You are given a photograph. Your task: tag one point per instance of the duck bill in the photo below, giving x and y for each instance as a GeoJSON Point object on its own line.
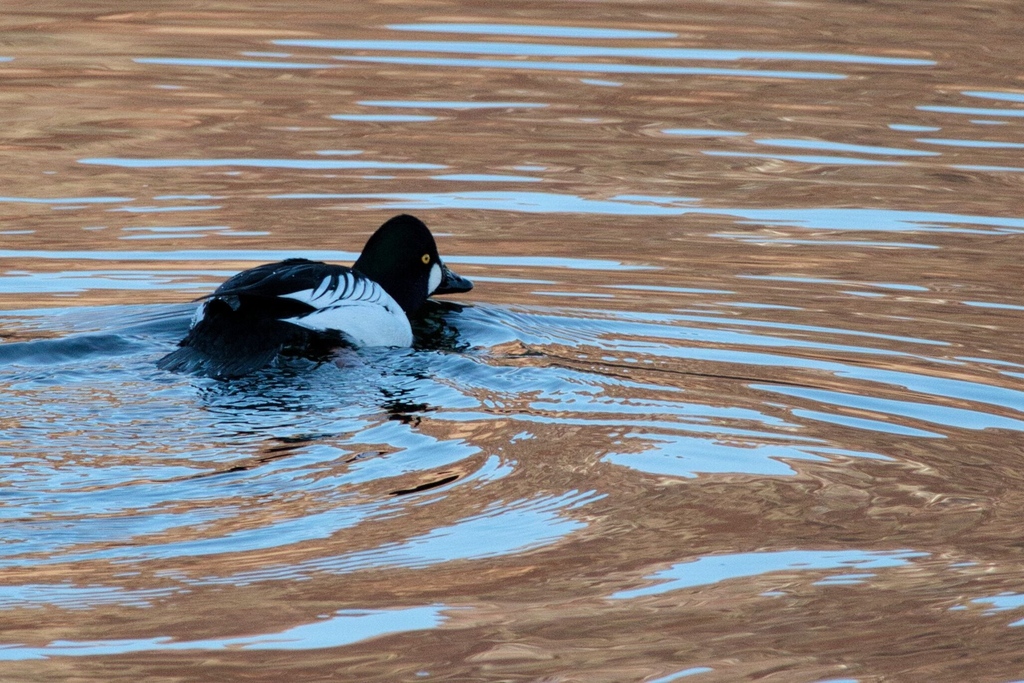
{"type": "Point", "coordinates": [452, 282]}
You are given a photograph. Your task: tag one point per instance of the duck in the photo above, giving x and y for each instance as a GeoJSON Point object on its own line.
{"type": "Point", "coordinates": [298, 305]}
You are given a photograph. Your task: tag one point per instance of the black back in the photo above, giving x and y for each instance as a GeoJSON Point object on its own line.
{"type": "Point", "coordinates": [274, 280]}
{"type": "Point", "coordinates": [231, 342]}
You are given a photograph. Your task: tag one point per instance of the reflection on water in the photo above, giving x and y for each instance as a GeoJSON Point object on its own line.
{"type": "Point", "coordinates": [585, 32]}
{"type": "Point", "coordinates": [713, 569]}
{"type": "Point", "coordinates": [546, 50]}
{"type": "Point", "coordinates": [344, 628]}
{"type": "Point", "coordinates": [318, 164]}
{"type": "Point", "coordinates": [230, 63]}
{"type": "Point", "coordinates": [739, 394]}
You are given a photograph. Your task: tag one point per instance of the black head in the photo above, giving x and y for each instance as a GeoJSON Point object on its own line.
{"type": "Point", "coordinates": [402, 258]}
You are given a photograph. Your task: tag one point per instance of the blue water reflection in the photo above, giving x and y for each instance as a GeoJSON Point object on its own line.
{"type": "Point", "coordinates": [314, 164]}
{"type": "Point", "coordinates": [987, 94]}
{"type": "Point", "coordinates": [820, 218]}
{"type": "Point", "coordinates": [229, 63]}
{"type": "Point", "coordinates": [535, 30]}
{"type": "Point", "coordinates": [972, 111]}
{"type": "Point", "coordinates": [702, 132]}
{"type": "Point", "coordinates": [845, 147]}
{"type": "Point", "coordinates": [994, 169]}
{"type": "Point", "coordinates": [343, 628]}
{"type": "Point", "coordinates": [687, 456]}
{"type": "Point", "coordinates": [165, 209]}
{"type": "Point", "coordinates": [522, 202]}
{"type": "Point", "coordinates": [913, 128]}
{"type": "Point", "coordinates": [441, 104]}
{"type": "Point", "coordinates": [595, 67]}
{"type": "Point", "coordinates": [548, 50]}
{"type": "Point", "coordinates": [1002, 603]}
{"type": "Point", "coordinates": [960, 418]}
{"type": "Point", "coordinates": [807, 158]}
{"type": "Point", "coordinates": [864, 423]}
{"type": "Point", "coordinates": [501, 529]}
{"type": "Point", "coordinates": [159, 232]}
{"type": "Point", "coordinates": [979, 144]}
{"type": "Point", "coordinates": [706, 571]}
{"type": "Point", "coordinates": [692, 671]}
{"type": "Point", "coordinates": [73, 597]}
{"type": "Point", "coordinates": [67, 282]}
{"type": "Point", "coordinates": [487, 178]}
{"type": "Point", "coordinates": [66, 200]}
{"type": "Point", "coordinates": [263, 256]}
{"type": "Point", "coordinates": [383, 118]}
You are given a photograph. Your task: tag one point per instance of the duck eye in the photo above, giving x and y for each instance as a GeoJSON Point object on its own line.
{"type": "Point", "coordinates": [425, 258]}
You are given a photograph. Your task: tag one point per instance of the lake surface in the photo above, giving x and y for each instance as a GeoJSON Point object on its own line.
{"type": "Point", "coordinates": [739, 394]}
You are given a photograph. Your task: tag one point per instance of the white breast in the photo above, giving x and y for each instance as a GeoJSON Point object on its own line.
{"type": "Point", "coordinates": [357, 307]}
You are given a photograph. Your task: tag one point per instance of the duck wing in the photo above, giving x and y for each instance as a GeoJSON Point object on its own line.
{"type": "Point", "coordinates": [294, 305]}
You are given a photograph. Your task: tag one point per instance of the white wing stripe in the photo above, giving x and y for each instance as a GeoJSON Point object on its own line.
{"type": "Point", "coordinates": [363, 312]}
{"type": "Point", "coordinates": [334, 290]}
{"type": "Point", "coordinates": [322, 288]}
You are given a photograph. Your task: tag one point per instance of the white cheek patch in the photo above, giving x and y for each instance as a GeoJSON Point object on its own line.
{"type": "Point", "coordinates": [435, 279]}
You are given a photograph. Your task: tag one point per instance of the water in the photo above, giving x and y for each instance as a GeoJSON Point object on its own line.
{"type": "Point", "coordinates": [738, 395]}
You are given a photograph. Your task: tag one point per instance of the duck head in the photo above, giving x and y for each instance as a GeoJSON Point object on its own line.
{"type": "Point", "coordinates": [402, 258]}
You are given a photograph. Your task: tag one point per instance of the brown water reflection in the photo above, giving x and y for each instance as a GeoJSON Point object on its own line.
{"type": "Point", "coordinates": [738, 394]}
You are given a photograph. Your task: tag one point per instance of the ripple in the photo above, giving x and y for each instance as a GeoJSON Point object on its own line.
{"type": "Point", "coordinates": [987, 94]}
{"type": "Point", "coordinates": [542, 50]}
{"type": "Point", "coordinates": [70, 596]}
{"type": "Point", "coordinates": [702, 132]}
{"type": "Point", "coordinates": [344, 627]}
{"type": "Point", "coordinates": [165, 209]}
{"type": "Point", "coordinates": [972, 111]}
{"type": "Point", "coordinates": [314, 164]}
{"type": "Point", "coordinates": [683, 456]}
{"type": "Point", "coordinates": [945, 416]}
{"type": "Point", "coordinates": [433, 104]}
{"type": "Point", "coordinates": [520, 202]}
{"type": "Point", "coordinates": [67, 282]}
{"type": "Point", "coordinates": [535, 30]}
{"type": "Point", "coordinates": [502, 529]}
{"type": "Point", "coordinates": [815, 218]}
{"type": "Point", "coordinates": [806, 159]}
{"type": "Point", "coordinates": [1002, 603]}
{"type": "Point", "coordinates": [845, 147]}
{"type": "Point", "coordinates": [692, 671]}
{"type": "Point", "coordinates": [383, 118]}
{"type": "Point", "coordinates": [67, 200]}
{"type": "Point", "coordinates": [595, 67]}
{"type": "Point", "coordinates": [229, 63]}
{"type": "Point", "coordinates": [980, 144]}
{"type": "Point", "coordinates": [487, 178]}
{"type": "Point", "coordinates": [912, 128]}
{"type": "Point", "coordinates": [264, 256]}
{"type": "Point", "coordinates": [717, 568]}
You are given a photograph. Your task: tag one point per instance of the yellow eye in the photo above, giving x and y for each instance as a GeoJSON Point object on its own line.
{"type": "Point", "coordinates": [425, 258]}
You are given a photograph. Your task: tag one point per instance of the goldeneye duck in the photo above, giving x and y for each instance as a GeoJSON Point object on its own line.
{"type": "Point", "coordinates": [299, 304]}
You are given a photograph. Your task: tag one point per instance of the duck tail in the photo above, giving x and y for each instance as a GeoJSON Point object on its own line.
{"type": "Point", "coordinates": [226, 343]}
